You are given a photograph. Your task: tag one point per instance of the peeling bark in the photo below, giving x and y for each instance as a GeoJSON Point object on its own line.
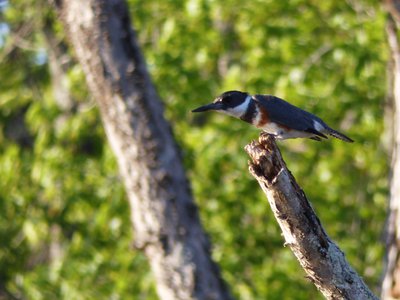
{"type": "Point", "coordinates": [322, 260]}
{"type": "Point", "coordinates": [164, 216]}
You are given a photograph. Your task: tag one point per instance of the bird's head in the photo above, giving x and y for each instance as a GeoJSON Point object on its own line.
{"type": "Point", "coordinates": [233, 103]}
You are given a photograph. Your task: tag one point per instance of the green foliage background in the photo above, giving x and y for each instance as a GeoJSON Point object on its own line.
{"type": "Point", "coordinates": [64, 219]}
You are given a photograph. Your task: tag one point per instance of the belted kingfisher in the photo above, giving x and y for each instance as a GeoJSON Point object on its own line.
{"type": "Point", "coordinates": [273, 115]}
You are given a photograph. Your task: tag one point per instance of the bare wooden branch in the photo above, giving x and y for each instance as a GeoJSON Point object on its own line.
{"type": "Point", "coordinates": [393, 7]}
{"type": "Point", "coordinates": [391, 279]}
{"type": "Point", "coordinates": [322, 260]}
{"type": "Point", "coordinates": [164, 216]}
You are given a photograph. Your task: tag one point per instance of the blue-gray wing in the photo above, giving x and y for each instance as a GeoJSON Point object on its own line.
{"type": "Point", "coordinates": [283, 113]}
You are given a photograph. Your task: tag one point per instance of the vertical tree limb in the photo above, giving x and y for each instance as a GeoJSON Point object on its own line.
{"type": "Point", "coordinates": [323, 261]}
{"type": "Point", "coordinates": [164, 216]}
{"type": "Point", "coordinates": [391, 280]}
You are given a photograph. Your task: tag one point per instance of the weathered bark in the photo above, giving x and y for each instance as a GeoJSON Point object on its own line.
{"type": "Point", "coordinates": [323, 261]}
{"type": "Point", "coordinates": [391, 279]}
{"type": "Point", "coordinates": [164, 216]}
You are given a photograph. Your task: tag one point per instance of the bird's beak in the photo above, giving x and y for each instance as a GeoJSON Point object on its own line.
{"type": "Point", "coordinates": [211, 106]}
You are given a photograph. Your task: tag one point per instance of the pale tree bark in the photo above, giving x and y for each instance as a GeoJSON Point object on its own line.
{"type": "Point", "coordinates": [391, 279]}
{"type": "Point", "coordinates": [58, 61]}
{"type": "Point", "coordinates": [164, 217]}
{"type": "Point", "coordinates": [322, 260]}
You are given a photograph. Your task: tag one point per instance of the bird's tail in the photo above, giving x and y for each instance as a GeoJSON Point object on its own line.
{"type": "Point", "coordinates": [338, 135]}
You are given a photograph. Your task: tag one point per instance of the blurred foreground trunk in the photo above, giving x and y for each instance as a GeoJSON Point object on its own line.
{"type": "Point", "coordinates": [391, 280]}
{"type": "Point", "coordinates": [322, 260]}
{"type": "Point", "coordinates": [165, 219]}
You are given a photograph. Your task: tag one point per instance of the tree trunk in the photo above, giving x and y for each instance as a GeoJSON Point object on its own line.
{"type": "Point", "coordinates": [323, 261]}
{"type": "Point", "coordinates": [391, 280]}
{"type": "Point", "coordinates": [164, 216]}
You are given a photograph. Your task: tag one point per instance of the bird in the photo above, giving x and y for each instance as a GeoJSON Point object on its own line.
{"type": "Point", "coordinates": [273, 116]}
